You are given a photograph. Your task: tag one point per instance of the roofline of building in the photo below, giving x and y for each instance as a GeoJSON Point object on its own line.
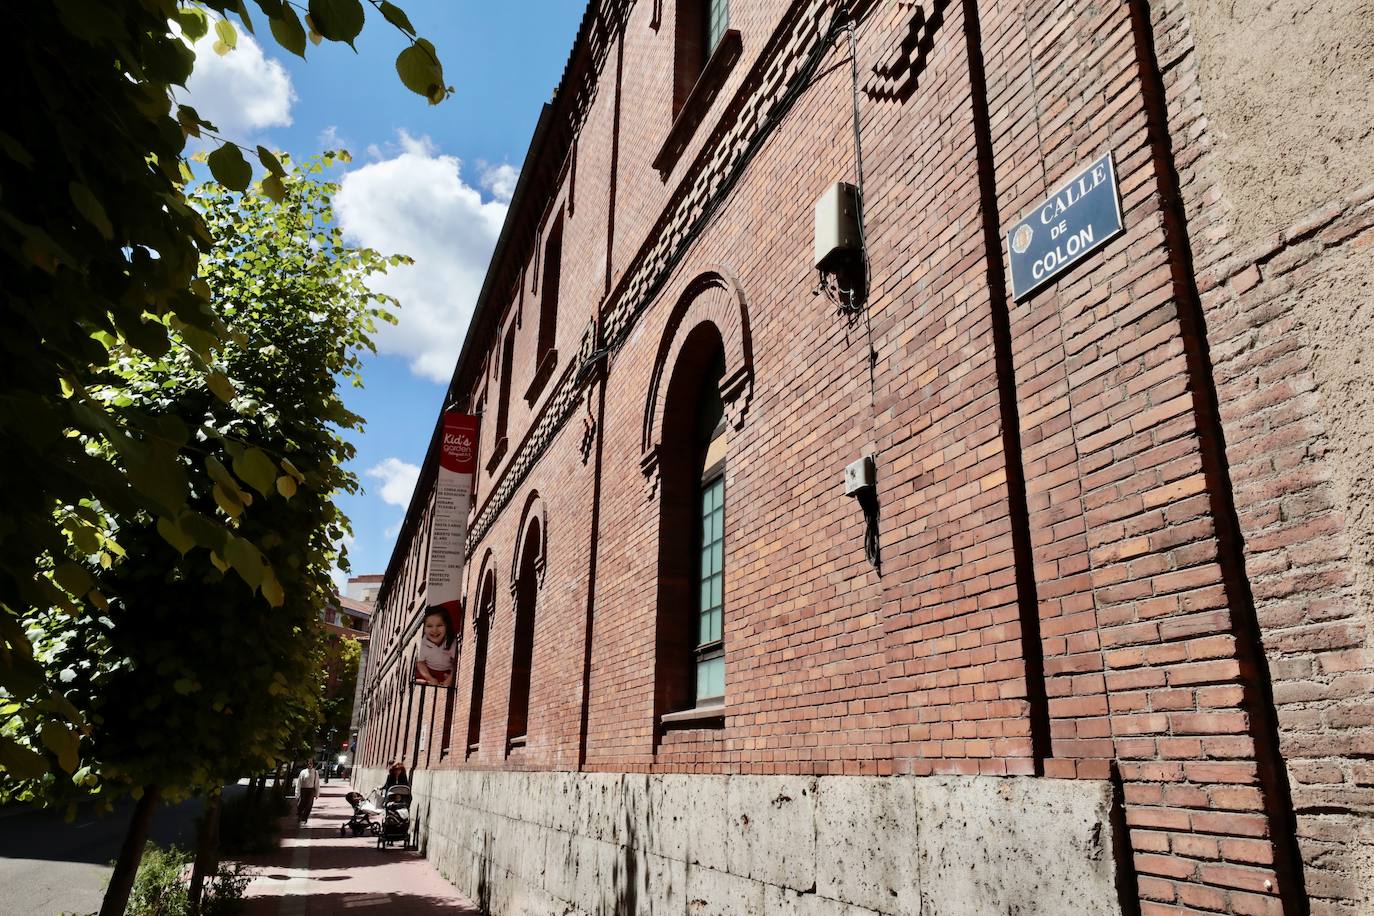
{"type": "Point", "coordinates": [545, 144]}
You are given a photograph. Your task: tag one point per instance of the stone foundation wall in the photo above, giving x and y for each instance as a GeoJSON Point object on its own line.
{"type": "Point", "coordinates": [535, 844]}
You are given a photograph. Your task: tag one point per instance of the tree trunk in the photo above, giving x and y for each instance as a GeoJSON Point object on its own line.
{"type": "Point", "coordinates": [130, 854]}
{"type": "Point", "coordinates": [207, 851]}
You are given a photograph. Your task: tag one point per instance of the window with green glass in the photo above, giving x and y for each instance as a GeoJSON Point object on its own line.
{"type": "Point", "coordinates": [710, 651]}
{"type": "Point", "coordinates": [717, 21]}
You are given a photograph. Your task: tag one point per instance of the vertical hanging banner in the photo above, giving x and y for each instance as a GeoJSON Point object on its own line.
{"type": "Point", "coordinates": [436, 660]}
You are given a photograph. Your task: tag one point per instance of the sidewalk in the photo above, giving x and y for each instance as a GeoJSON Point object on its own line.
{"type": "Point", "coordinates": [316, 872]}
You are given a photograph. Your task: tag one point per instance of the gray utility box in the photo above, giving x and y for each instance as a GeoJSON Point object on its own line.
{"type": "Point", "coordinates": [837, 224]}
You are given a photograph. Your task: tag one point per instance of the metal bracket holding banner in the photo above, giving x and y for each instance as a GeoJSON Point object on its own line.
{"type": "Point", "coordinates": [1081, 216]}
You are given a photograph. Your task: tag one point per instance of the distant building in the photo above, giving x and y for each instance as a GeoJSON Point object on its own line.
{"type": "Point", "coordinates": [349, 615]}
{"type": "Point", "coordinates": [364, 588]}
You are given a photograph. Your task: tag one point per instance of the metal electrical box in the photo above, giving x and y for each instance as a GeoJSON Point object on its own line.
{"type": "Point", "coordinates": [837, 224]}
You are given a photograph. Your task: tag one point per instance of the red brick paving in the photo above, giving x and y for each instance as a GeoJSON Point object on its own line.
{"type": "Point", "coordinates": [315, 871]}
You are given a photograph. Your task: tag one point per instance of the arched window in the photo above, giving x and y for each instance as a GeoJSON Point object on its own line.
{"type": "Point", "coordinates": [450, 697]}
{"type": "Point", "coordinates": [481, 624]}
{"type": "Point", "coordinates": [548, 294]}
{"type": "Point", "coordinates": [522, 652]}
{"type": "Point", "coordinates": [690, 644]}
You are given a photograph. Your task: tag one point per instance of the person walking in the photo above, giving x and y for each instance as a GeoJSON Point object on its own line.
{"type": "Point", "coordinates": [396, 776]}
{"type": "Point", "coordinates": [307, 786]}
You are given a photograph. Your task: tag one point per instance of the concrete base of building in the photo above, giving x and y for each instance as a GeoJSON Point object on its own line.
{"type": "Point", "coordinates": [534, 844]}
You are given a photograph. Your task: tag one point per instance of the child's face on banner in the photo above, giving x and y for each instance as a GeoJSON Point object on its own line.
{"type": "Point", "coordinates": [434, 629]}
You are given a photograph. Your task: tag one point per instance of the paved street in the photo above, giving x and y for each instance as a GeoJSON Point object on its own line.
{"type": "Point", "coordinates": [48, 866]}
{"type": "Point", "coordinates": [316, 872]}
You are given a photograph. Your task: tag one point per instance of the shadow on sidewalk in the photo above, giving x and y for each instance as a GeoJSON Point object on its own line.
{"type": "Point", "coordinates": [330, 903]}
{"type": "Point", "coordinates": [316, 872]}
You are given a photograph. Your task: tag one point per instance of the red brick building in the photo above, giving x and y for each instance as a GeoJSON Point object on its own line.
{"type": "Point", "coordinates": [1114, 655]}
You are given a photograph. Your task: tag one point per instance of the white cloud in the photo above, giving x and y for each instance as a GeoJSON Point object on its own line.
{"type": "Point", "coordinates": [398, 480]}
{"type": "Point", "coordinates": [417, 203]}
{"type": "Point", "coordinates": [242, 92]}
{"type": "Point", "coordinates": [329, 138]}
{"type": "Point", "coordinates": [395, 529]}
{"type": "Point", "coordinates": [500, 180]}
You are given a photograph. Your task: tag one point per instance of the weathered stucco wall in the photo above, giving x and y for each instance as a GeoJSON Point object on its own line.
{"type": "Point", "coordinates": [1331, 300]}
{"type": "Point", "coordinates": [1271, 121]}
{"type": "Point", "coordinates": [534, 844]}
{"type": "Point", "coordinates": [1288, 88]}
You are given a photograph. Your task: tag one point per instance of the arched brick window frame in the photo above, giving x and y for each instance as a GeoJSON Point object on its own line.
{"type": "Point", "coordinates": [526, 582]}
{"type": "Point", "coordinates": [534, 514]}
{"type": "Point", "coordinates": [712, 297]}
{"type": "Point", "coordinates": [483, 610]}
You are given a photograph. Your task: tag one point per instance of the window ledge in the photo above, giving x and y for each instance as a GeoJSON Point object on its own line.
{"type": "Point", "coordinates": [695, 714]}
{"type": "Point", "coordinates": [498, 451]}
{"type": "Point", "coordinates": [472, 749]}
{"type": "Point", "coordinates": [542, 373]}
{"type": "Point", "coordinates": [516, 743]}
{"type": "Point", "coordinates": [698, 101]}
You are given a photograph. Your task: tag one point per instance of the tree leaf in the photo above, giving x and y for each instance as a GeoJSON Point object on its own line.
{"type": "Point", "coordinates": [271, 588]}
{"type": "Point", "coordinates": [20, 762]}
{"type": "Point", "coordinates": [419, 69]}
{"type": "Point", "coordinates": [246, 561]}
{"type": "Point", "coordinates": [89, 207]}
{"type": "Point", "coordinates": [73, 578]}
{"type": "Point", "coordinates": [161, 478]}
{"type": "Point", "coordinates": [189, 119]}
{"type": "Point", "coordinates": [62, 741]}
{"type": "Point", "coordinates": [397, 17]}
{"type": "Point", "coordinates": [273, 187]}
{"type": "Point", "coordinates": [206, 533]}
{"type": "Point", "coordinates": [288, 31]}
{"type": "Point", "coordinates": [337, 20]}
{"type": "Point", "coordinates": [270, 162]}
{"type": "Point", "coordinates": [219, 473]}
{"type": "Point", "coordinates": [242, 9]}
{"type": "Point", "coordinates": [227, 501]}
{"type": "Point", "coordinates": [171, 533]}
{"type": "Point", "coordinates": [229, 167]}
{"type": "Point", "coordinates": [292, 470]}
{"type": "Point", "coordinates": [221, 386]}
{"type": "Point", "coordinates": [226, 33]}
{"type": "Point", "coordinates": [254, 467]}
{"type": "Point", "coordinates": [193, 21]}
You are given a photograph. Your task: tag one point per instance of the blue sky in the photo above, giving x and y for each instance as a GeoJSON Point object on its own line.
{"type": "Point", "coordinates": [429, 181]}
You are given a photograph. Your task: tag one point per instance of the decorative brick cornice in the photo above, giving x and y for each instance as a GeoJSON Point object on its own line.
{"type": "Point", "coordinates": [780, 74]}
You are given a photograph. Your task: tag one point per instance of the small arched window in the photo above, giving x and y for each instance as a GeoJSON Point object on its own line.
{"type": "Point", "coordinates": [690, 644]}
{"type": "Point", "coordinates": [481, 624]}
{"type": "Point", "coordinates": [522, 650]}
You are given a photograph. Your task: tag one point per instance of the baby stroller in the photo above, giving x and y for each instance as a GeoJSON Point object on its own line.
{"type": "Point", "coordinates": [361, 821]}
{"type": "Point", "coordinates": [395, 826]}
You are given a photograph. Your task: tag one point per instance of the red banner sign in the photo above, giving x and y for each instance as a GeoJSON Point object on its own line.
{"type": "Point", "coordinates": [436, 658]}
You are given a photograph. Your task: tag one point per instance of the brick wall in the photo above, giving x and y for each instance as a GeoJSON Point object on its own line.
{"type": "Point", "coordinates": [1111, 550]}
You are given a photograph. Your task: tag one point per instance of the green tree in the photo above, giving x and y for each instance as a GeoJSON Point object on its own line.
{"type": "Point", "coordinates": [187, 677]}
{"type": "Point", "coordinates": [340, 681]}
{"type": "Point", "coordinates": [100, 248]}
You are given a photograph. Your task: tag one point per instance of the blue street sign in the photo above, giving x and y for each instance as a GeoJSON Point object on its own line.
{"type": "Point", "coordinates": [1076, 220]}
